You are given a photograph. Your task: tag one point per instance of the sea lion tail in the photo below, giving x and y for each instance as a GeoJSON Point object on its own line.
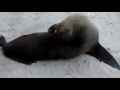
{"type": "Point", "coordinates": [102, 54]}
{"type": "Point", "coordinates": [2, 40]}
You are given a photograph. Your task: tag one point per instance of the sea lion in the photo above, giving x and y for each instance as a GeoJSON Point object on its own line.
{"type": "Point", "coordinates": [81, 30]}
{"type": "Point", "coordinates": [29, 48]}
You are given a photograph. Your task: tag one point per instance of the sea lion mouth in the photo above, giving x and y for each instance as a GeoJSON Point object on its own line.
{"type": "Point", "coordinates": [55, 31]}
{"type": "Point", "coordinates": [52, 31]}
{"type": "Point", "coordinates": [54, 28]}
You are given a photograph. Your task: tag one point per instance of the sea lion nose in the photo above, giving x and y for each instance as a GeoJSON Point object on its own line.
{"type": "Point", "coordinates": [53, 28]}
{"type": "Point", "coordinates": [50, 31]}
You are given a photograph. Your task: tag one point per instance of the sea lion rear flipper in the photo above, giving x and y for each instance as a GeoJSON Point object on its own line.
{"type": "Point", "coordinates": [2, 40]}
{"type": "Point", "coordinates": [102, 54]}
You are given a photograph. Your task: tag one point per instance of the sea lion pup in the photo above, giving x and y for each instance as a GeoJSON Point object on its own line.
{"type": "Point", "coordinates": [27, 49]}
{"type": "Point", "coordinates": [80, 30]}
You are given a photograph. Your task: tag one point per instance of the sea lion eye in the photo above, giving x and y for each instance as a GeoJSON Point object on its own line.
{"type": "Point", "coordinates": [60, 25]}
{"type": "Point", "coordinates": [63, 33]}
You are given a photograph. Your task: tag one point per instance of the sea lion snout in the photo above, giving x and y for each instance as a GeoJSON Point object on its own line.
{"type": "Point", "coordinates": [54, 28]}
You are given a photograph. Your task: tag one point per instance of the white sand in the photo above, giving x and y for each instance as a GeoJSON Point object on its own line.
{"type": "Point", "coordinates": [15, 24]}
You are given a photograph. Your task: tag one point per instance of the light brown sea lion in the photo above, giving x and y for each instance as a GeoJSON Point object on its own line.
{"type": "Point", "coordinates": [81, 30]}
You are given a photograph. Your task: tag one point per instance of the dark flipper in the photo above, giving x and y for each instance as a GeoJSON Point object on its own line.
{"type": "Point", "coordinates": [102, 54]}
{"type": "Point", "coordinates": [26, 62]}
{"type": "Point", "coordinates": [2, 40]}
{"type": "Point", "coordinates": [23, 61]}
{"type": "Point", "coordinates": [18, 58]}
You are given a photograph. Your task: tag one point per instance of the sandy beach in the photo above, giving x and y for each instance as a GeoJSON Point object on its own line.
{"type": "Point", "coordinates": [15, 24]}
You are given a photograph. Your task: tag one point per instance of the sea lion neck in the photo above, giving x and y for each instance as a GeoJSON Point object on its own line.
{"type": "Point", "coordinates": [78, 37]}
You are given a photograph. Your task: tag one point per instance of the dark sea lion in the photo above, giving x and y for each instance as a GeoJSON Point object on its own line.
{"type": "Point", "coordinates": [38, 46]}
{"type": "Point", "coordinates": [70, 38]}
{"type": "Point", "coordinates": [81, 30]}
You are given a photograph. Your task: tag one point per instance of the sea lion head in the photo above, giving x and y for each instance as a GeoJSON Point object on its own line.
{"type": "Point", "coordinates": [62, 31]}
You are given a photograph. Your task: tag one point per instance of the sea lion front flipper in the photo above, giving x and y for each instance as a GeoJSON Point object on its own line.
{"type": "Point", "coordinates": [20, 59]}
{"type": "Point", "coordinates": [102, 54]}
{"type": "Point", "coordinates": [23, 61]}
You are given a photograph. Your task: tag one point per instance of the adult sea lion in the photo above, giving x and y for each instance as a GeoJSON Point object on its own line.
{"type": "Point", "coordinates": [81, 30]}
